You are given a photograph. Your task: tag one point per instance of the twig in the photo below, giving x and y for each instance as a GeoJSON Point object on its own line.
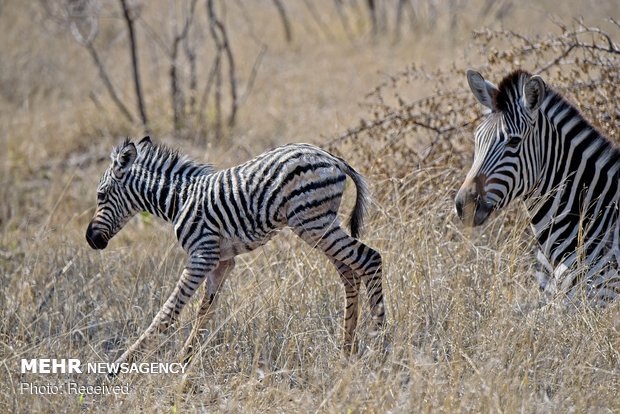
{"type": "Point", "coordinates": [253, 73]}
{"type": "Point", "coordinates": [220, 37]}
{"type": "Point", "coordinates": [215, 67]}
{"type": "Point", "coordinates": [175, 91]}
{"type": "Point", "coordinates": [129, 19]}
{"type": "Point", "coordinates": [317, 18]}
{"type": "Point", "coordinates": [286, 25]}
{"type": "Point", "coordinates": [556, 60]}
{"type": "Point", "coordinates": [397, 116]}
{"type": "Point", "coordinates": [65, 21]}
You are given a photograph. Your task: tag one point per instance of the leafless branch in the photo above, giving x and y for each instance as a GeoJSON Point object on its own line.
{"type": "Point", "coordinates": [317, 18]}
{"type": "Point", "coordinates": [129, 19]}
{"type": "Point", "coordinates": [253, 73]}
{"type": "Point", "coordinates": [220, 37]}
{"type": "Point", "coordinates": [215, 68]}
{"type": "Point", "coordinates": [286, 24]}
{"type": "Point", "coordinates": [343, 18]}
{"type": "Point", "coordinates": [107, 82]}
{"type": "Point", "coordinates": [178, 101]}
{"type": "Point", "coordinates": [68, 19]}
{"type": "Point", "coordinates": [190, 54]}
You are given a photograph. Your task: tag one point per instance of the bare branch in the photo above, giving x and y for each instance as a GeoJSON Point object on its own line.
{"type": "Point", "coordinates": [343, 18]}
{"type": "Point", "coordinates": [215, 67]}
{"type": "Point", "coordinates": [68, 19]}
{"type": "Point", "coordinates": [107, 82]}
{"type": "Point", "coordinates": [176, 92]}
{"type": "Point", "coordinates": [220, 37]}
{"type": "Point", "coordinates": [129, 19]}
{"type": "Point", "coordinates": [317, 18]}
{"type": "Point", "coordinates": [190, 54]}
{"type": "Point", "coordinates": [557, 59]}
{"type": "Point", "coordinates": [253, 73]}
{"type": "Point", "coordinates": [288, 33]}
{"type": "Point", "coordinates": [372, 11]}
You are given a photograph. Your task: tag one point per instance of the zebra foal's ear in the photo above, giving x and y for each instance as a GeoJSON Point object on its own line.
{"type": "Point", "coordinates": [534, 93]}
{"type": "Point", "coordinates": [483, 90]}
{"type": "Point", "coordinates": [123, 159]}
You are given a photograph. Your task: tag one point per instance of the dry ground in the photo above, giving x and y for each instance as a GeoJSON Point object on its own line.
{"type": "Point", "coordinates": [466, 327]}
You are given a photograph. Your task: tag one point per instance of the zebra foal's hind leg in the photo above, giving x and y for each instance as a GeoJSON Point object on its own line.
{"type": "Point", "coordinates": [351, 282]}
{"type": "Point", "coordinates": [355, 261]}
{"type": "Point", "coordinates": [215, 280]}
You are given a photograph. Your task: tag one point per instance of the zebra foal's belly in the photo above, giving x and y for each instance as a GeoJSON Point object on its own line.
{"type": "Point", "coordinates": [233, 246]}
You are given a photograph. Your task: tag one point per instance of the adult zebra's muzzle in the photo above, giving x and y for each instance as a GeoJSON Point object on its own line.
{"type": "Point", "coordinates": [95, 239]}
{"type": "Point", "coordinates": [472, 209]}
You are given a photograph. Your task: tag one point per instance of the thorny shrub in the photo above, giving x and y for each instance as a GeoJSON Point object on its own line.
{"type": "Point", "coordinates": [581, 62]}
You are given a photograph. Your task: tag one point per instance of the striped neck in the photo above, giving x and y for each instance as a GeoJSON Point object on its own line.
{"type": "Point", "coordinates": [160, 181]}
{"type": "Point", "coordinates": [562, 206]}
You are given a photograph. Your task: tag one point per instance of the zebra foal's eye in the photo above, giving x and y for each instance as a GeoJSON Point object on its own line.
{"type": "Point", "coordinates": [100, 196]}
{"type": "Point", "coordinates": [513, 141]}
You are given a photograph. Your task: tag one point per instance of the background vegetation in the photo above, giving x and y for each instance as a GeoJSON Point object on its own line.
{"type": "Point", "coordinates": [224, 81]}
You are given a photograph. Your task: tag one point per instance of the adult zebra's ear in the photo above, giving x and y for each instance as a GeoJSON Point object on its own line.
{"type": "Point", "coordinates": [483, 90]}
{"type": "Point", "coordinates": [145, 141]}
{"type": "Point", "coordinates": [123, 159]}
{"type": "Point", "coordinates": [534, 93]}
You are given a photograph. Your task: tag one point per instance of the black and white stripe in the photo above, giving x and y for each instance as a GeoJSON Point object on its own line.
{"type": "Point", "coordinates": [535, 144]}
{"type": "Point", "coordinates": [220, 214]}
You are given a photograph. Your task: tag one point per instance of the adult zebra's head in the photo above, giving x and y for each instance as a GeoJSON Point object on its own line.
{"type": "Point", "coordinates": [114, 207]}
{"type": "Point", "coordinates": [507, 157]}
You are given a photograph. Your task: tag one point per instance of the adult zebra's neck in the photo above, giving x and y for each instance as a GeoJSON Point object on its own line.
{"type": "Point", "coordinates": [161, 181]}
{"type": "Point", "coordinates": [580, 175]}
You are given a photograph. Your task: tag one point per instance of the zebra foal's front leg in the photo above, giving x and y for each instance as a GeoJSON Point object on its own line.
{"type": "Point", "coordinates": [199, 266]}
{"type": "Point", "coordinates": [215, 280]}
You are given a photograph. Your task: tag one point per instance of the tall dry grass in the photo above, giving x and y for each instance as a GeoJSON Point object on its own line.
{"type": "Point", "coordinates": [467, 328]}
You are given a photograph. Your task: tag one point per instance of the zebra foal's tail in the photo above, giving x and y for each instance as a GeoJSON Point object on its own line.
{"type": "Point", "coordinates": [362, 199]}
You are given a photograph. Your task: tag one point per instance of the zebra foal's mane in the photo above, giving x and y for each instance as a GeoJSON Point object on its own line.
{"type": "Point", "coordinates": [150, 154]}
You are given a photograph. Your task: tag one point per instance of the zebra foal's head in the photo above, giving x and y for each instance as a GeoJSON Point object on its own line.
{"type": "Point", "coordinates": [506, 162]}
{"type": "Point", "coordinates": [114, 207]}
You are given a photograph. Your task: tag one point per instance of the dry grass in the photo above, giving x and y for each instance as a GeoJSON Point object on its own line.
{"type": "Point", "coordinates": [466, 326]}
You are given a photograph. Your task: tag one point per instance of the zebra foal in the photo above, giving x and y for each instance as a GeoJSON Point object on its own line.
{"type": "Point", "coordinates": [536, 145]}
{"type": "Point", "coordinates": [219, 214]}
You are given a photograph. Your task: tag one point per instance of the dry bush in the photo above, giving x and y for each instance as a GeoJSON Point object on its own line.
{"type": "Point", "coordinates": [580, 62]}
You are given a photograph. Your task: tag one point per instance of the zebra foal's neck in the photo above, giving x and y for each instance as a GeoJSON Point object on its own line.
{"type": "Point", "coordinates": [161, 178]}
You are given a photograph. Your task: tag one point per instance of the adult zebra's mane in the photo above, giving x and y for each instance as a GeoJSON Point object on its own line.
{"type": "Point", "coordinates": [510, 89]}
{"type": "Point", "coordinates": [150, 154]}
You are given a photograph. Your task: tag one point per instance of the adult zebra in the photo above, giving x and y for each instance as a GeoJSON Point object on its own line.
{"type": "Point", "coordinates": [535, 144]}
{"type": "Point", "coordinates": [220, 214]}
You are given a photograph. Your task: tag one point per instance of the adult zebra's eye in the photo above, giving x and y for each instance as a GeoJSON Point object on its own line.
{"type": "Point", "coordinates": [100, 197]}
{"type": "Point", "coordinates": [513, 141]}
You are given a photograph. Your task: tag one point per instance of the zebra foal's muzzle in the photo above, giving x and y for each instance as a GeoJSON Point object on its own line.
{"type": "Point", "coordinates": [470, 203]}
{"type": "Point", "coordinates": [95, 238]}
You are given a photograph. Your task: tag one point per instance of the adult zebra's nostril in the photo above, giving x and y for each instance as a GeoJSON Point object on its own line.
{"type": "Point", "coordinates": [95, 239]}
{"type": "Point", "coordinates": [458, 206]}
{"type": "Point", "coordinates": [465, 204]}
